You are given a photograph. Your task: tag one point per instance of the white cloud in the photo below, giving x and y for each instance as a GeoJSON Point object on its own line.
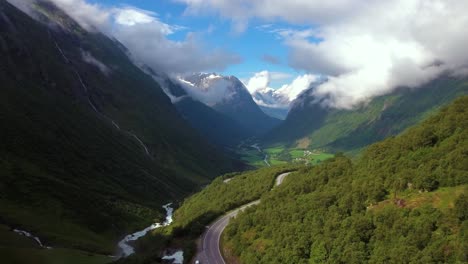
{"type": "Point", "coordinates": [278, 76]}
{"type": "Point", "coordinates": [131, 17]}
{"type": "Point", "coordinates": [297, 86]}
{"type": "Point", "coordinates": [146, 36]}
{"type": "Point", "coordinates": [89, 16]}
{"type": "Point", "coordinates": [298, 11]}
{"type": "Point", "coordinates": [366, 48]}
{"type": "Point", "coordinates": [260, 80]}
{"type": "Point", "coordinates": [258, 86]}
{"type": "Point", "coordinates": [211, 89]}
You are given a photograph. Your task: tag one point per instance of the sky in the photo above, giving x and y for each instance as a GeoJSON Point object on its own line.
{"type": "Point", "coordinates": [362, 48]}
{"type": "Point", "coordinates": [258, 49]}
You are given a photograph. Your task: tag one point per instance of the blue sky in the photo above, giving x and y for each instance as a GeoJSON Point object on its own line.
{"type": "Point", "coordinates": [363, 48]}
{"type": "Point", "coordinates": [217, 33]}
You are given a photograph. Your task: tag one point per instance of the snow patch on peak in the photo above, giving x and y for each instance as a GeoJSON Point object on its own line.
{"type": "Point", "coordinates": [266, 96]}
{"type": "Point", "coordinates": [186, 82]}
{"type": "Point", "coordinates": [212, 88]}
{"type": "Point", "coordinates": [214, 76]}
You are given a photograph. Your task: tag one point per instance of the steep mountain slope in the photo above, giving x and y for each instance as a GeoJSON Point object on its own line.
{"type": "Point", "coordinates": [278, 113]}
{"type": "Point", "coordinates": [90, 145]}
{"type": "Point", "coordinates": [404, 201]}
{"type": "Point", "coordinates": [345, 130]}
{"type": "Point", "coordinates": [229, 96]}
{"type": "Point", "coordinates": [215, 126]}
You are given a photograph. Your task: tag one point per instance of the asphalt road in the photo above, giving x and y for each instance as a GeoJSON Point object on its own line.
{"type": "Point", "coordinates": [208, 248]}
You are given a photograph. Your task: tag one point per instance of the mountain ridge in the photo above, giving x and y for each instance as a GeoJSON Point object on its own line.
{"type": "Point", "coordinates": [228, 95]}
{"type": "Point", "coordinates": [89, 142]}
{"type": "Point", "coordinates": [351, 130]}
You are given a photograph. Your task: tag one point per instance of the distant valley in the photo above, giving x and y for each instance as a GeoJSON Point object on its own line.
{"type": "Point", "coordinates": [153, 133]}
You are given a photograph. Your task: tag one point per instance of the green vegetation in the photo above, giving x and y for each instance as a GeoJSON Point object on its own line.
{"type": "Point", "coordinates": [281, 155]}
{"type": "Point", "coordinates": [51, 256]}
{"type": "Point", "coordinates": [311, 126]}
{"type": "Point", "coordinates": [67, 173]}
{"type": "Point", "coordinates": [442, 198]}
{"type": "Point", "coordinates": [18, 249]}
{"type": "Point", "coordinates": [222, 195]}
{"type": "Point", "coordinates": [252, 157]}
{"type": "Point", "coordinates": [403, 201]}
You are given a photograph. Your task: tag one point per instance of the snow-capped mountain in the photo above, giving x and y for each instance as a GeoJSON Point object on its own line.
{"type": "Point", "coordinates": [216, 127]}
{"type": "Point", "coordinates": [213, 89]}
{"type": "Point", "coordinates": [277, 102]}
{"type": "Point", "coordinates": [228, 95]}
{"type": "Point", "coordinates": [272, 102]}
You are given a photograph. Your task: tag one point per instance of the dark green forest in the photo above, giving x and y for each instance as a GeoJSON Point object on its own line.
{"type": "Point", "coordinates": [75, 176]}
{"type": "Point", "coordinates": [404, 201]}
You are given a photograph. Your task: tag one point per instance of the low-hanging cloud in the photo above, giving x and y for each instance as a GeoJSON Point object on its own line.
{"type": "Point", "coordinates": [146, 36]}
{"type": "Point", "coordinates": [259, 86]}
{"type": "Point", "coordinates": [150, 45]}
{"type": "Point", "coordinates": [364, 48]}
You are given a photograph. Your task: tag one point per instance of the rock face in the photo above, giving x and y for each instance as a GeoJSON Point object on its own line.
{"type": "Point", "coordinates": [215, 126]}
{"type": "Point", "coordinates": [229, 96]}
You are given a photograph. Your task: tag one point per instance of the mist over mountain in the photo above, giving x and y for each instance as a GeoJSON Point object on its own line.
{"type": "Point", "coordinates": [228, 95]}
{"type": "Point", "coordinates": [215, 126]}
{"type": "Point", "coordinates": [277, 102]}
{"type": "Point", "coordinates": [316, 125]}
{"type": "Point", "coordinates": [134, 131]}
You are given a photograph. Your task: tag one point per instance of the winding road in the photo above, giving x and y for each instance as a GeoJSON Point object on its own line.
{"type": "Point", "coordinates": [209, 251]}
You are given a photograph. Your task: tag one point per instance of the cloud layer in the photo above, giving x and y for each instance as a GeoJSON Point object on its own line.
{"type": "Point", "coordinates": [147, 37]}
{"type": "Point", "coordinates": [364, 48]}
{"type": "Point", "coordinates": [258, 86]}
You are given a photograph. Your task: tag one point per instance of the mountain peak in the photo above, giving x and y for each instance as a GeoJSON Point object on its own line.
{"type": "Point", "coordinates": [212, 89]}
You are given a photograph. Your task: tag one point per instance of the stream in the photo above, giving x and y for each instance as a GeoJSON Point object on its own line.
{"type": "Point", "coordinates": [29, 235]}
{"type": "Point", "coordinates": [265, 159]}
{"type": "Point", "coordinates": [85, 90]}
{"type": "Point", "coordinates": [125, 244]}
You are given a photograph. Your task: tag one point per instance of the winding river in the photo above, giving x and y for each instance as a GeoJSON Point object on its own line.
{"type": "Point", "coordinates": [125, 244]}
{"type": "Point", "coordinates": [29, 235]}
{"type": "Point", "coordinates": [265, 158]}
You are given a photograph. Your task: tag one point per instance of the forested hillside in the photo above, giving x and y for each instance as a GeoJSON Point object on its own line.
{"type": "Point", "coordinates": [404, 201]}
{"type": "Point", "coordinates": [196, 212]}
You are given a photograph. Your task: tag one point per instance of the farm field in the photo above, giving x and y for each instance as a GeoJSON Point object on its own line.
{"type": "Point", "coordinates": [279, 155]}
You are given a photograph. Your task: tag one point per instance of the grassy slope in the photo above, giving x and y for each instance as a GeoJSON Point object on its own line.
{"type": "Point", "coordinates": [351, 130]}
{"type": "Point", "coordinates": [443, 198]}
{"type": "Point", "coordinates": [66, 173]}
{"type": "Point", "coordinates": [280, 155]}
{"type": "Point", "coordinates": [403, 201]}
